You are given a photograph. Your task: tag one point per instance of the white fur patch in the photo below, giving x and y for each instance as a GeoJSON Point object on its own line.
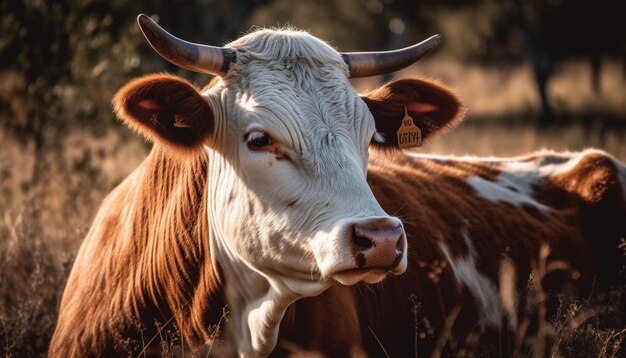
{"type": "Point", "coordinates": [501, 191]}
{"type": "Point", "coordinates": [477, 283]}
{"type": "Point", "coordinates": [515, 184]}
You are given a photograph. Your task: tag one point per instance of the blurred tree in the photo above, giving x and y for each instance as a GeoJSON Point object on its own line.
{"type": "Point", "coordinates": [61, 61]}
{"type": "Point", "coordinates": [502, 32]}
{"type": "Point", "coordinates": [557, 30]}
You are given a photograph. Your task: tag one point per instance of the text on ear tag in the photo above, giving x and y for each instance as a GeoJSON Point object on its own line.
{"type": "Point", "coordinates": [409, 135]}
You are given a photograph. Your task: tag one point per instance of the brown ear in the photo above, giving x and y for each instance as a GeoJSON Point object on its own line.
{"type": "Point", "coordinates": [432, 106]}
{"type": "Point", "coordinates": [165, 108]}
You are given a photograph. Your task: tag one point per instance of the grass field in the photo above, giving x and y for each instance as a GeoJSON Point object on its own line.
{"type": "Point", "coordinates": [43, 221]}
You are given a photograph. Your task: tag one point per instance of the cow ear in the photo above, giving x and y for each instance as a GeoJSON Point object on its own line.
{"type": "Point", "coordinates": [165, 108]}
{"type": "Point", "coordinates": [431, 105]}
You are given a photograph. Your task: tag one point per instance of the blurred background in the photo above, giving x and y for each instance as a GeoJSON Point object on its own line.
{"type": "Point", "coordinates": [534, 74]}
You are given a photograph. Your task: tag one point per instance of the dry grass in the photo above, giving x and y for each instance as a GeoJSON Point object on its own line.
{"type": "Point", "coordinates": [577, 327]}
{"type": "Point", "coordinates": [42, 225]}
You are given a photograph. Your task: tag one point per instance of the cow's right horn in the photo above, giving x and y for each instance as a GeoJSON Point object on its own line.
{"type": "Point", "coordinates": [365, 64]}
{"type": "Point", "coordinates": [194, 57]}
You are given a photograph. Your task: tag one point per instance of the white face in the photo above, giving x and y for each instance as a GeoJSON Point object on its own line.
{"type": "Point", "coordinates": [291, 198]}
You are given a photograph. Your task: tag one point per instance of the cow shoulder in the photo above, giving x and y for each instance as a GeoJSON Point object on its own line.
{"type": "Point", "coordinates": [153, 226]}
{"type": "Point", "coordinates": [594, 177]}
{"type": "Point", "coordinates": [597, 182]}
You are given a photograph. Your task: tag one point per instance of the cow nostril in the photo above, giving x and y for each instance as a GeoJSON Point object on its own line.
{"type": "Point", "coordinates": [361, 242]}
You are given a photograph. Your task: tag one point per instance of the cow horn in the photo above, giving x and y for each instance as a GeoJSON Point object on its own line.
{"type": "Point", "coordinates": [194, 57]}
{"type": "Point", "coordinates": [364, 64]}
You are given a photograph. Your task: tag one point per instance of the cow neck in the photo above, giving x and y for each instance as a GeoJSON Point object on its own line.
{"type": "Point", "coordinates": [256, 305]}
{"type": "Point", "coordinates": [171, 222]}
{"type": "Point", "coordinates": [256, 301]}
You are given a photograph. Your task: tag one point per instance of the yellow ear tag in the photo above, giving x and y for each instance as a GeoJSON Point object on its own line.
{"type": "Point", "coordinates": [409, 135]}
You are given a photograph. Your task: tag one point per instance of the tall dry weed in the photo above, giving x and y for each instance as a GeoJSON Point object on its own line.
{"type": "Point", "coordinates": [42, 223]}
{"type": "Point", "coordinates": [33, 274]}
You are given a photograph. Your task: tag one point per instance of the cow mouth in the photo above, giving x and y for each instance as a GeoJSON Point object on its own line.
{"type": "Point", "coordinates": [368, 275]}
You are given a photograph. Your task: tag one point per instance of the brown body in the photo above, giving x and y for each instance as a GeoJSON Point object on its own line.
{"type": "Point", "coordinates": [143, 254]}
{"type": "Point", "coordinates": [437, 205]}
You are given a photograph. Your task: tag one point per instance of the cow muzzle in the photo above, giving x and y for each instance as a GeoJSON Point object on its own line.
{"type": "Point", "coordinates": [366, 250]}
{"type": "Point", "coordinates": [377, 245]}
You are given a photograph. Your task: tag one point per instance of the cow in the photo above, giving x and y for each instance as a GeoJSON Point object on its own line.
{"type": "Point", "coordinates": [276, 210]}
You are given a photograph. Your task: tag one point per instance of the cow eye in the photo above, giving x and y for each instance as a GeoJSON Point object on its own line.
{"type": "Point", "coordinates": [258, 140]}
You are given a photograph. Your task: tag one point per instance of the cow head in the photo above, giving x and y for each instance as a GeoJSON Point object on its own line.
{"type": "Point", "coordinates": [287, 138]}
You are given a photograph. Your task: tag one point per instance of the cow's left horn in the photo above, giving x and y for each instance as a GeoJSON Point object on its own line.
{"type": "Point", "coordinates": [194, 57]}
{"type": "Point", "coordinates": [364, 64]}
